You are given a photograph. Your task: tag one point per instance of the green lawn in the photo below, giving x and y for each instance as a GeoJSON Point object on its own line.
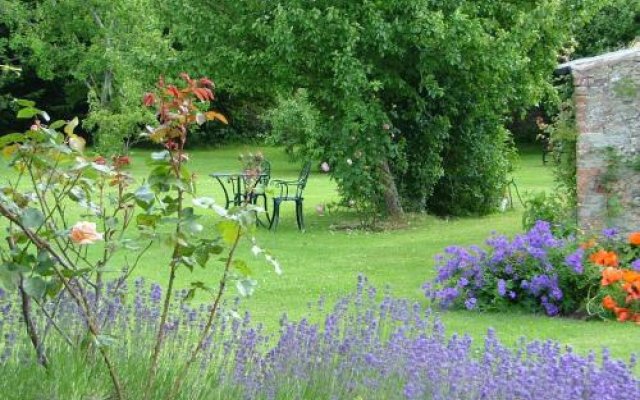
{"type": "Point", "coordinates": [325, 261]}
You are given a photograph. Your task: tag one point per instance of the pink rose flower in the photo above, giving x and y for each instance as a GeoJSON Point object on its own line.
{"type": "Point", "coordinates": [84, 232]}
{"type": "Point", "coordinates": [325, 166]}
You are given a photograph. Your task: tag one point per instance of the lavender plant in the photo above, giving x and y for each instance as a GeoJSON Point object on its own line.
{"type": "Point", "coordinates": [368, 346]}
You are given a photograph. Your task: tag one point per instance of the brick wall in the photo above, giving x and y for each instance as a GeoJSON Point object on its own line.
{"type": "Point", "coordinates": [607, 103]}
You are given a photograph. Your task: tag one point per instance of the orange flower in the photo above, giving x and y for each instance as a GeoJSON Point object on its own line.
{"type": "Point", "coordinates": [623, 314]}
{"type": "Point", "coordinates": [634, 238]}
{"type": "Point", "coordinates": [610, 275]}
{"type": "Point", "coordinates": [609, 303]}
{"type": "Point", "coordinates": [588, 244]}
{"type": "Point", "coordinates": [84, 233]}
{"type": "Point", "coordinates": [630, 276]}
{"type": "Point", "coordinates": [633, 290]}
{"type": "Point", "coordinates": [604, 258]}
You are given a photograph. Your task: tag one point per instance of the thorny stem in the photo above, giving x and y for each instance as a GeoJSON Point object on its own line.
{"type": "Point", "coordinates": [30, 325]}
{"type": "Point", "coordinates": [32, 331]}
{"type": "Point", "coordinates": [173, 266]}
{"type": "Point", "coordinates": [207, 328]}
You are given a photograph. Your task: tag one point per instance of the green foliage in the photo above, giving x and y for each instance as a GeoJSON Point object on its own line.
{"type": "Point", "coordinates": [560, 206]}
{"type": "Point", "coordinates": [426, 84]}
{"type": "Point", "coordinates": [550, 207]}
{"type": "Point", "coordinates": [615, 26]}
{"type": "Point", "coordinates": [112, 49]}
{"type": "Point", "coordinates": [296, 126]}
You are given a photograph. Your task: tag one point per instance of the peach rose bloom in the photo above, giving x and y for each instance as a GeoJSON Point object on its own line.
{"type": "Point", "coordinates": [84, 233]}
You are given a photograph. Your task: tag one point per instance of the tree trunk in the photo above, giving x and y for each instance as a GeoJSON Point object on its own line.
{"type": "Point", "coordinates": [391, 196]}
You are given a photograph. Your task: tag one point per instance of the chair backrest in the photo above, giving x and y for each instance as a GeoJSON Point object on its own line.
{"type": "Point", "coordinates": [265, 171]}
{"type": "Point", "coordinates": [302, 178]}
{"type": "Point", "coordinates": [304, 174]}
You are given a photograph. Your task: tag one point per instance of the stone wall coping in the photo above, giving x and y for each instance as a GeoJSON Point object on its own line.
{"type": "Point", "coordinates": [585, 64]}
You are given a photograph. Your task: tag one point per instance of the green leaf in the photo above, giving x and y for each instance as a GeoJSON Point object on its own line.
{"type": "Point", "coordinates": [25, 103]}
{"type": "Point", "coordinates": [57, 124]}
{"type": "Point", "coordinates": [201, 255]}
{"type": "Point", "coordinates": [111, 222]}
{"type": "Point", "coordinates": [229, 230]}
{"type": "Point", "coordinates": [148, 220]}
{"type": "Point", "coordinates": [144, 196]}
{"type": "Point", "coordinates": [32, 218]}
{"type": "Point", "coordinates": [45, 264]}
{"type": "Point", "coordinates": [246, 287]}
{"type": "Point", "coordinates": [71, 126]}
{"type": "Point", "coordinates": [27, 113]}
{"type": "Point", "coordinates": [11, 138]}
{"type": "Point", "coordinates": [8, 277]}
{"type": "Point", "coordinates": [242, 267]}
{"type": "Point", "coordinates": [188, 262]}
{"type": "Point", "coordinates": [35, 287]}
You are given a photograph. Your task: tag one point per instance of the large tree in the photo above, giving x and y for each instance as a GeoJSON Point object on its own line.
{"type": "Point", "coordinates": [114, 49]}
{"type": "Point", "coordinates": [411, 96]}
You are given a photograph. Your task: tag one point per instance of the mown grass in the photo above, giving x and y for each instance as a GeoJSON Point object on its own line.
{"type": "Point", "coordinates": [326, 260]}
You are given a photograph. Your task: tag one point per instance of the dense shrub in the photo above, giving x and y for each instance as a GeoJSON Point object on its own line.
{"type": "Point", "coordinates": [614, 27]}
{"type": "Point", "coordinates": [553, 208]}
{"type": "Point", "coordinates": [413, 96]}
{"type": "Point", "coordinates": [366, 348]}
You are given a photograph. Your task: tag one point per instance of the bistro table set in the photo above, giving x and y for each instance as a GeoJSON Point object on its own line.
{"type": "Point", "coordinates": [250, 187]}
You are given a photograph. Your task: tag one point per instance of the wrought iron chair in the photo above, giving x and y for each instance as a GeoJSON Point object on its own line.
{"type": "Point", "coordinates": [290, 191]}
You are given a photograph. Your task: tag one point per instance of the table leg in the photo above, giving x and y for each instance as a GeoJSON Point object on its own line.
{"type": "Point", "coordinates": [227, 200]}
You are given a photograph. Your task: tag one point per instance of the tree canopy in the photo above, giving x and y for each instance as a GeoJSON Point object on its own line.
{"type": "Point", "coordinates": [406, 100]}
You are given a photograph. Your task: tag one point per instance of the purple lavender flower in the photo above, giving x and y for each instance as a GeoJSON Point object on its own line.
{"type": "Point", "coordinates": [156, 293]}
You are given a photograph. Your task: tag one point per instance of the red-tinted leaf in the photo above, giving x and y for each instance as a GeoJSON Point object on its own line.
{"type": "Point", "coordinates": [209, 93]}
{"type": "Point", "coordinates": [149, 99]}
{"type": "Point", "coordinates": [200, 94]}
{"type": "Point", "coordinates": [211, 115]}
{"type": "Point", "coordinates": [186, 77]}
{"type": "Point", "coordinates": [206, 82]}
{"type": "Point", "coordinates": [173, 91]}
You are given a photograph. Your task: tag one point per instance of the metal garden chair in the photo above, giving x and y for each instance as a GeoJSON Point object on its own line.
{"type": "Point", "coordinates": [290, 190]}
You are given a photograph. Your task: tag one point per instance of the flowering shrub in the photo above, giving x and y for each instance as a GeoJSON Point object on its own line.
{"type": "Point", "coordinates": [367, 348]}
{"type": "Point", "coordinates": [617, 260]}
{"type": "Point", "coordinates": [535, 271]}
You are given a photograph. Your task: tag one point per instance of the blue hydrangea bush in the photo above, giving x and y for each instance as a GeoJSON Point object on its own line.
{"type": "Point", "coordinates": [368, 346]}
{"type": "Point", "coordinates": [535, 271]}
